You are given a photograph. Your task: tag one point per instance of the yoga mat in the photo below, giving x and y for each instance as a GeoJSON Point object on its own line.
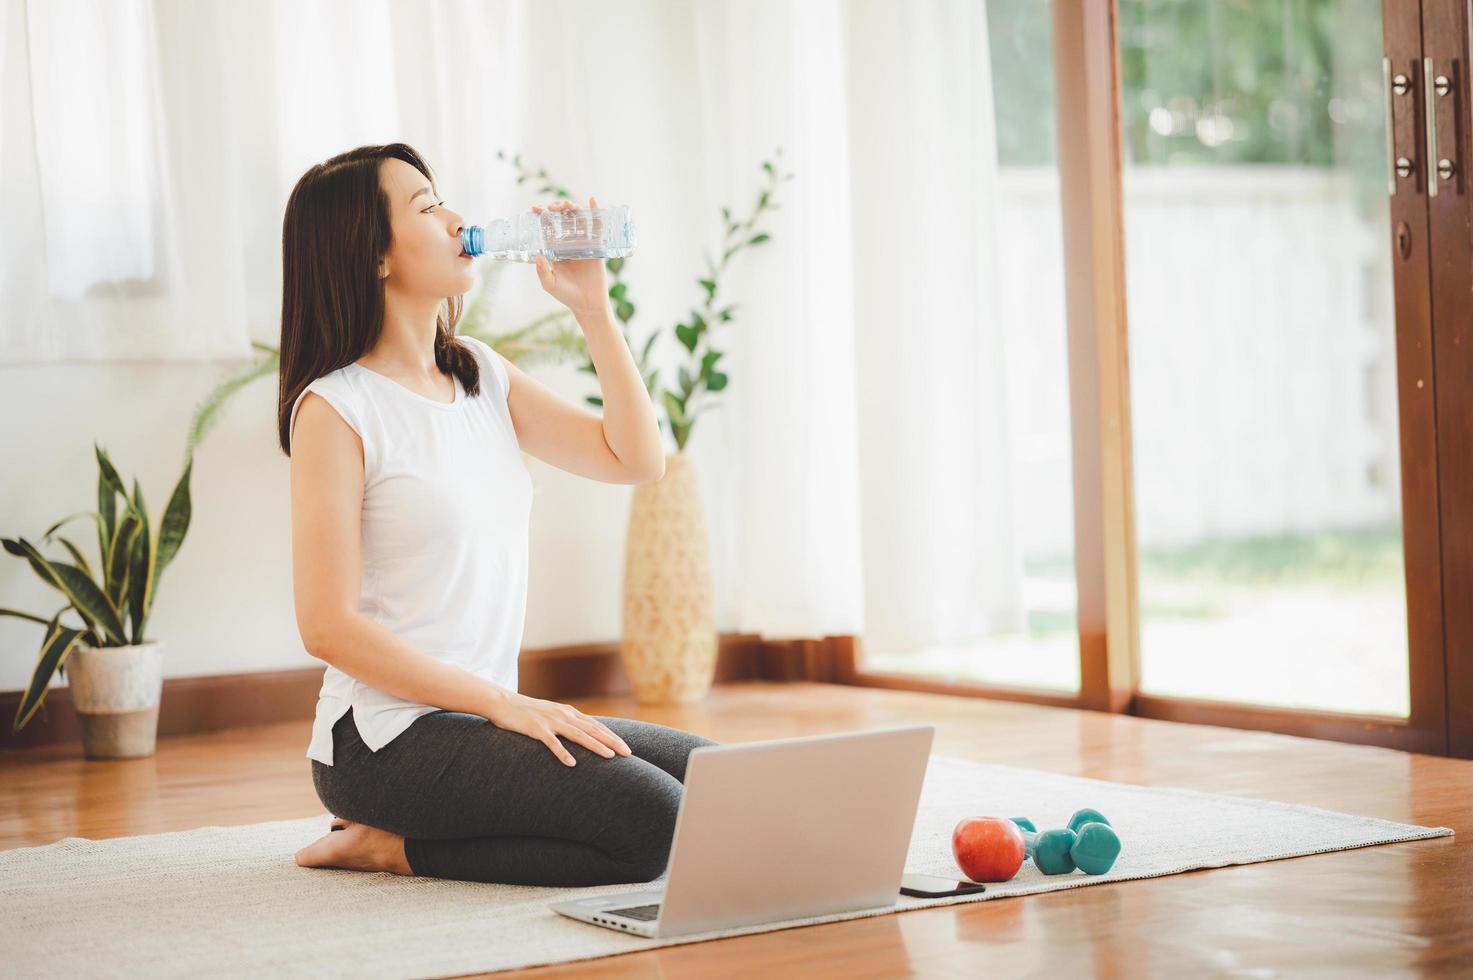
{"type": "Point", "coordinates": [231, 901]}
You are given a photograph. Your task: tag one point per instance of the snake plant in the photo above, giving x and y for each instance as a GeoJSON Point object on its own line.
{"type": "Point", "coordinates": [113, 602]}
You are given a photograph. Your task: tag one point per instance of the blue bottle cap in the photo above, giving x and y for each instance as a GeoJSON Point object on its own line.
{"type": "Point", "coordinates": [473, 240]}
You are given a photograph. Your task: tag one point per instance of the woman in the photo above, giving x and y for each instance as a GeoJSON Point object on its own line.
{"type": "Point", "coordinates": [409, 546]}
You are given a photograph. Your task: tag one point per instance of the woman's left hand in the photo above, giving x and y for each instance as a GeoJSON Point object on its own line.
{"type": "Point", "coordinates": [579, 284]}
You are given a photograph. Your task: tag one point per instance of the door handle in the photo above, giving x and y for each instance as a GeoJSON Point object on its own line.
{"type": "Point", "coordinates": [1435, 88]}
{"type": "Point", "coordinates": [1397, 168]}
{"type": "Point", "coordinates": [1429, 103]}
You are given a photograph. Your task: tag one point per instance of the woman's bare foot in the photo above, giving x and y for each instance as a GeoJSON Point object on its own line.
{"type": "Point", "coordinates": [357, 847]}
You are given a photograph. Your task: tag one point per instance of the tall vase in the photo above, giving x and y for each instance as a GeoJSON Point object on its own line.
{"type": "Point", "coordinates": [669, 642]}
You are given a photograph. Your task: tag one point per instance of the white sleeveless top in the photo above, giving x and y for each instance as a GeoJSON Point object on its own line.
{"type": "Point", "coordinates": [446, 504]}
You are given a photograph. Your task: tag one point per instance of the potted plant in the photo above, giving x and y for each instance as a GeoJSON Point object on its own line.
{"type": "Point", "coordinates": [668, 643]}
{"type": "Point", "coordinates": [115, 675]}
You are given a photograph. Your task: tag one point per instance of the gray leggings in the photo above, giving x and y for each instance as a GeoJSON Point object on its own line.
{"type": "Point", "coordinates": [475, 802]}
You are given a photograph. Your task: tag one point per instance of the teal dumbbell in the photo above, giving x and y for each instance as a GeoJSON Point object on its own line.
{"type": "Point", "coordinates": [1098, 845]}
{"type": "Point", "coordinates": [1050, 849]}
{"type": "Point", "coordinates": [1088, 843]}
{"type": "Point", "coordinates": [1082, 817]}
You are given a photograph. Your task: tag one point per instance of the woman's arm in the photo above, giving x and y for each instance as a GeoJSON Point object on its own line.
{"type": "Point", "coordinates": [629, 424]}
{"type": "Point", "coordinates": [378, 657]}
{"type": "Point", "coordinates": [622, 446]}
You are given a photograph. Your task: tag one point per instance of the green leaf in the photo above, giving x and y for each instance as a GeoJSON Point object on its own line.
{"type": "Point", "coordinates": [25, 615]}
{"type": "Point", "coordinates": [686, 382]}
{"type": "Point", "coordinates": [726, 213]}
{"type": "Point", "coordinates": [116, 567]}
{"type": "Point", "coordinates": [109, 474]}
{"type": "Point", "coordinates": [676, 407]}
{"type": "Point", "coordinates": [617, 290]}
{"type": "Point", "coordinates": [595, 400]}
{"type": "Point", "coordinates": [615, 265]}
{"type": "Point", "coordinates": [91, 603]}
{"type": "Point", "coordinates": [81, 513]}
{"type": "Point", "coordinates": [140, 568]}
{"type": "Point", "coordinates": [106, 510]}
{"type": "Point", "coordinates": [768, 167]}
{"type": "Point", "coordinates": [758, 238]}
{"type": "Point", "coordinates": [725, 314]}
{"type": "Point", "coordinates": [60, 641]}
{"type": "Point", "coordinates": [174, 525]}
{"type": "Point", "coordinates": [77, 554]}
{"type": "Point", "coordinates": [109, 484]}
{"type": "Point", "coordinates": [624, 310]}
{"type": "Point", "coordinates": [141, 560]}
{"type": "Point", "coordinates": [709, 361]}
{"type": "Point", "coordinates": [687, 336]}
{"type": "Point", "coordinates": [210, 410]}
{"type": "Point", "coordinates": [717, 381]}
{"type": "Point", "coordinates": [710, 286]}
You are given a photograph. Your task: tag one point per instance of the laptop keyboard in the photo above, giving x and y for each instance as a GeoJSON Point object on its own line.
{"type": "Point", "coordinates": [646, 912]}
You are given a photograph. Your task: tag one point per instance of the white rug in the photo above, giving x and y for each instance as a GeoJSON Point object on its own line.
{"type": "Point", "coordinates": [230, 901]}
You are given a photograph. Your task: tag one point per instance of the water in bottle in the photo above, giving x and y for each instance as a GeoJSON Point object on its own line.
{"type": "Point", "coordinates": [581, 233]}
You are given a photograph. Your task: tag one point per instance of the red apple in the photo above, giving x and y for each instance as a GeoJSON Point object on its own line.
{"type": "Point", "coordinates": [987, 848]}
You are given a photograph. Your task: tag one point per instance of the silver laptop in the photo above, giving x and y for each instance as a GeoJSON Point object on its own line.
{"type": "Point", "coordinates": [782, 829]}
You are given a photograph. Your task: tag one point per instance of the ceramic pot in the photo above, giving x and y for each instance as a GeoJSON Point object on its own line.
{"type": "Point", "coordinates": [116, 692]}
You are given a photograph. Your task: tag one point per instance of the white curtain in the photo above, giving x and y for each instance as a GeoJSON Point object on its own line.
{"type": "Point", "coordinates": [858, 471]}
{"type": "Point", "coordinates": [773, 74]}
{"type": "Point", "coordinates": [148, 149]}
{"type": "Point", "coordinates": [873, 491]}
{"type": "Point", "coordinates": [120, 237]}
{"type": "Point", "coordinates": [942, 563]}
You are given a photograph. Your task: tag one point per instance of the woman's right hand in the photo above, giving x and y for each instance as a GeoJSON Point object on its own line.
{"type": "Point", "coordinates": [546, 720]}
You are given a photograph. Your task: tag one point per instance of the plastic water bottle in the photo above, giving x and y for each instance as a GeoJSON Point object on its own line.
{"type": "Point", "coordinates": [582, 233]}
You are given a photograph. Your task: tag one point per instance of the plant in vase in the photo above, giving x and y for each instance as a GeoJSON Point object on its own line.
{"type": "Point", "coordinates": [669, 641]}
{"type": "Point", "coordinates": [114, 673]}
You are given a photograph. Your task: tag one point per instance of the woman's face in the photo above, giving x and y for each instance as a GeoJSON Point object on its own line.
{"type": "Point", "coordinates": [424, 257]}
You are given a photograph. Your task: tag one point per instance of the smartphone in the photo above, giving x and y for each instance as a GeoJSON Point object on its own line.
{"type": "Point", "coordinates": [933, 886]}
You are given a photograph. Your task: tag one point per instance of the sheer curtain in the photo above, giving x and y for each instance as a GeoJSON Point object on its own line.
{"type": "Point", "coordinates": [857, 472]}
{"type": "Point", "coordinates": [872, 492]}
{"type": "Point", "coordinates": [773, 74]}
{"type": "Point", "coordinates": [121, 236]}
{"type": "Point", "coordinates": [149, 148]}
{"type": "Point", "coordinates": [942, 560]}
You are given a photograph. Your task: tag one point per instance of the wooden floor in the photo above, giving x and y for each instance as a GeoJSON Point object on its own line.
{"type": "Point", "coordinates": [1392, 909]}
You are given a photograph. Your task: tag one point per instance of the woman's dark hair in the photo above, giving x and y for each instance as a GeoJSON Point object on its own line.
{"type": "Point", "coordinates": [335, 232]}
